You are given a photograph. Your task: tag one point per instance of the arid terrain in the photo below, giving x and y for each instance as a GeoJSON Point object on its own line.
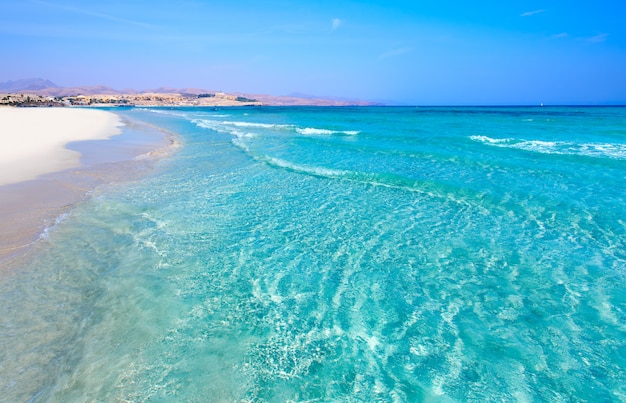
{"type": "Point", "coordinates": [39, 92]}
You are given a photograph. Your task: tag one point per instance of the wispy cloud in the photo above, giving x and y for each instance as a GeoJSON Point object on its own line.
{"type": "Point", "coordinates": [598, 38]}
{"type": "Point", "coordinates": [531, 13]}
{"type": "Point", "coordinates": [561, 35]}
{"type": "Point", "coordinates": [95, 14]}
{"type": "Point", "coordinates": [395, 52]}
{"type": "Point", "coordinates": [336, 23]}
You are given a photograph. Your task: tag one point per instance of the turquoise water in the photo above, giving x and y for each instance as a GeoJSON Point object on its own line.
{"type": "Point", "coordinates": [338, 254]}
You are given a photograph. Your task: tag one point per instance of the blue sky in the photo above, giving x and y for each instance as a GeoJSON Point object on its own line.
{"type": "Point", "coordinates": [423, 52]}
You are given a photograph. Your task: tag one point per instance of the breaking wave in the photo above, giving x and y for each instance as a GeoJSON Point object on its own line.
{"type": "Point", "coordinates": [231, 127]}
{"type": "Point", "coordinates": [597, 150]}
{"type": "Point", "coordinates": [314, 131]}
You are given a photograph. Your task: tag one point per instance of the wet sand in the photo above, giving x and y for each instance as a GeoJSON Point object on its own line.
{"type": "Point", "coordinates": [28, 207]}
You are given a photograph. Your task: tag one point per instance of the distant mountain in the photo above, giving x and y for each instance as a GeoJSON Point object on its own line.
{"type": "Point", "coordinates": [300, 95]}
{"type": "Point", "coordinates": [170, 90]}
{"type": "Point", "coordinates": [27, 84]}
{"type": "Point", "coordinates": [85, 90]}
{"type": "Point", "coordinates": [39, 86]}
{"type": "Point", "coordinates": [282, 100]}
{"type": "Point", "coordinates": [73, 91]}
{"type": "Point", "coordinates": [328, 99]}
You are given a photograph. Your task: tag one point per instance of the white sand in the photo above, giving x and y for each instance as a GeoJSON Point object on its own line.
{"type": "Point", "coordinates": [33, 140]}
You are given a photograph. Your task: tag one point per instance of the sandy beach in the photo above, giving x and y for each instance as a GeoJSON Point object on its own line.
{"type": "Point", "coordinates": [34, 139]}
{"type": "Point", "coordinates": [42, 173]}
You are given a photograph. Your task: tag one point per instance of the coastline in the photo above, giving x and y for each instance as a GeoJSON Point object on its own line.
{"type": "Point", "coordinates": [277, 258]}
{"type": "Point", "coordinates": [104, 147]}
{"type": "Point", "coordinates": [167, 97]}
{"type": "Point", "coordinates": [35, 139]}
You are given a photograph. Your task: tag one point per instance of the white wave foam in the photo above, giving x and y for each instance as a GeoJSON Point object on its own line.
{"type": "Point", "coordinates": [598, 150]}
{"type": "Point", "coordinates": [218, 127]}
{"type": "Point", "coordinates": [163, 112]}
{"type": "Point", "coordinates": [317, 171]}
{"type": "Point", "coordinates": [226, 126]}
{"type": "Point", "coordinates": [206, 123]}
{"type": "Point", "coordinates": [259, 125]}
{"type": "Point", "coordinates": [230, 127]}
{"type": "Point", "coordinates": [281, 163]}
{"type": "Point", "coordinates": [311, 131]}
{"type": "Point", "coordinates": [485, 139]}
{"type": "Point", "coordinates": [240, 144]}
{"type": "Point", "coordinates": [45, 234]}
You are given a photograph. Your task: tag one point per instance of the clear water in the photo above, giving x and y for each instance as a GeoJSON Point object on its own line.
{"type": "Point", "coordinates": [320, 254]}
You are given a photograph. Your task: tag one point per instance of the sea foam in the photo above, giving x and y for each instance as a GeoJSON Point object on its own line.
{"type": "Point", "coordinates": [314, 131]}
{"type": "Point", "coordinates": [598, 150]}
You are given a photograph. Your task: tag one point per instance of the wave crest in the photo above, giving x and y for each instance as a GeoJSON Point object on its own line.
{"type": "Point", "coordinates": [229, 126]}
{"type": "Point", "coordinates": [597, 150]}
{"type": "Point", "coordinates": [313, 131]}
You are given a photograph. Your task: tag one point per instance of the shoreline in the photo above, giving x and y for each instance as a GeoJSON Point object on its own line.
{"type": "Point", "coordinates": [35, 139]}
{"type": "Point", "coordinates": [30, 207]}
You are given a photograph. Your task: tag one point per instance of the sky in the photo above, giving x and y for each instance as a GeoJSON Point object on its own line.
{"type": "Point", "coordinates": [420, 52]}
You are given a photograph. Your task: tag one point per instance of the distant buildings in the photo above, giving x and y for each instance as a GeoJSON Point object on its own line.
{"type": "Point", "coordinates": [144, 99]}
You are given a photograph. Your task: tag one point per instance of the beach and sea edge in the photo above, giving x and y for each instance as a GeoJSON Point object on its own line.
{"type": "Point", "coordinates": [54, 157]}
{"type": "Point", "coordinates": [330, 254]}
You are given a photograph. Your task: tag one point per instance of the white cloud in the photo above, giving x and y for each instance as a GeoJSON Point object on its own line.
{"type": "Point", "coordinates": [529, 13]}
{"type": "Point", "coordinates": [598, 38]}
{"type": "Point", "coordinates": [104, 16]}
{"type": "Point", "coordinates": [395, 52]}
{"type": "Point", "coordinates": [561, 35]}
{"type": "Point", "coordinates": [336, 23]}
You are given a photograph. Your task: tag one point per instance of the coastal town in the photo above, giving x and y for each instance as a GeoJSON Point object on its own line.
{"type": "Point", "coordinates": [42, 92]}
{"type": "Point", "coordinates": [143, 99]}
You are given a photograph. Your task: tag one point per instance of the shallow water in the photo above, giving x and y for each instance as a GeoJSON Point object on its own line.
{"type": "Point", "coordinates": [27, 208]}
{"type": "Point", "coordinates": [338, 254]}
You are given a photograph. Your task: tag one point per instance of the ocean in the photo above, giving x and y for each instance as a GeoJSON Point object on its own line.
{"type": "Point", "coordinates": [389, 254]}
